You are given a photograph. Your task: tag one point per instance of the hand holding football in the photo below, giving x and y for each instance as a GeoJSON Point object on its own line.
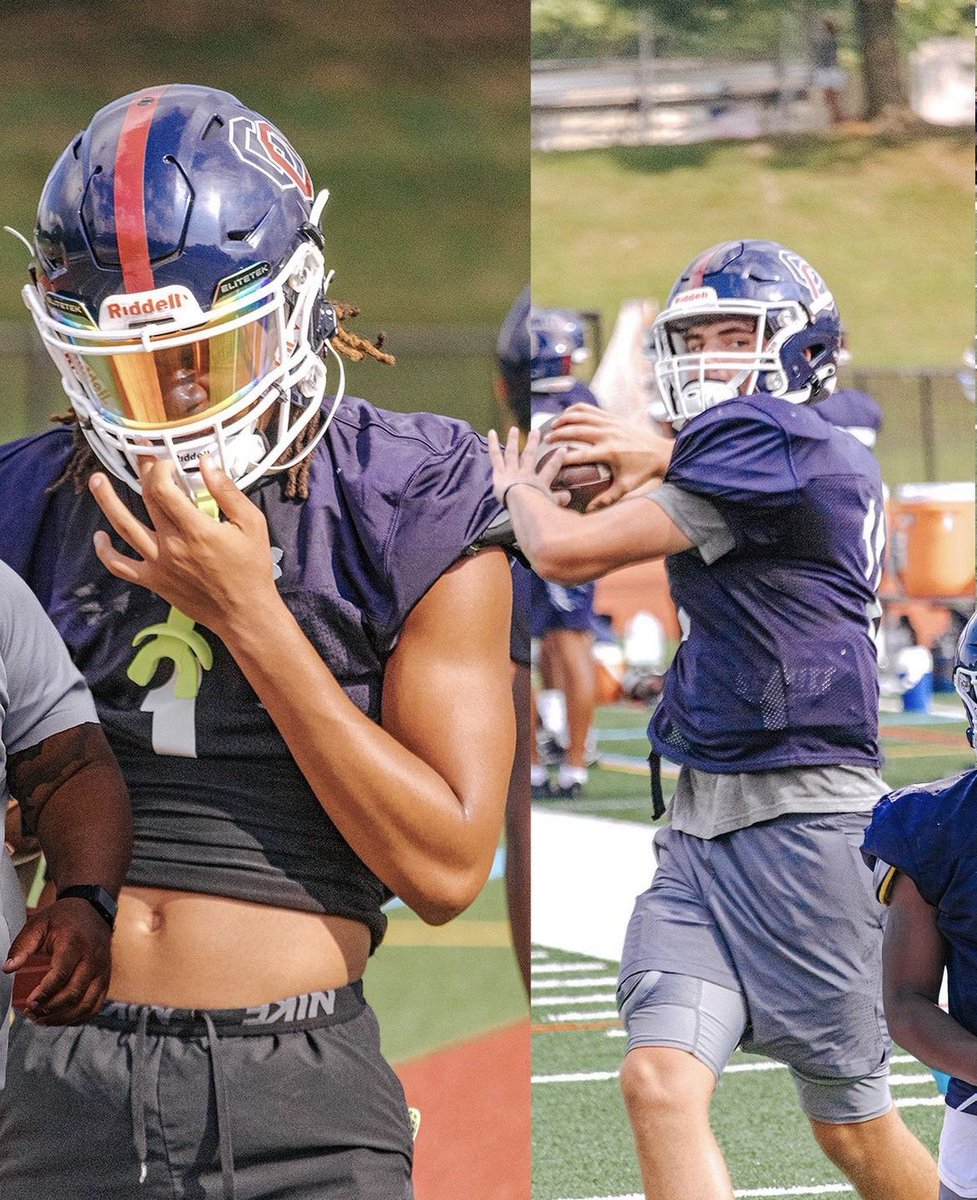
{"type": "Point", "coordinates": [584, 481]}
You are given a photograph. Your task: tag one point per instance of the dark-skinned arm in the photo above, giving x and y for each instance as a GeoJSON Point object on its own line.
{"type": "Point", "coordinates": [569, 547]}
{"type": "Point", "coordinates": [914, 955]}
{"type": "Point", "coordinates": [72, 796]}
{"type": "Point", "coordinates": [420, 798]}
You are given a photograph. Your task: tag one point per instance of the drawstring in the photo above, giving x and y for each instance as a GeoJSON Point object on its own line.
{"type": "Point", "coordinates": [137, 1094]}
{"type": "Point", "coordinates": [223, 1109]}
{"type": "Point", "coordinates": [657, 799]}
{"type": "Point", "coordinates": [137, 1098]}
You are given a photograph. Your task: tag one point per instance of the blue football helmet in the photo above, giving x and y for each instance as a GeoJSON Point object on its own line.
{"type": "Point", "coordinates": [178, 282]}
{"type": "Point", "coordinates": [795, 322]}
{"type": "Point", "coordinates": [965, 675]}
{"type": "Point", "coordinates": [557, 342]}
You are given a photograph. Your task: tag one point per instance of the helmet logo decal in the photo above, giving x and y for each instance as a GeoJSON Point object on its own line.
{"type": "Point", "coordinates": [702, 295]}
{"type": "Point", "coordinates": [245, 278]}
{"type": "Point", "coordinates": [131, 310]}
{"type": "Point", "coordinates": [259, 144]}
{"type": "Point", "coordinates": [808, 278]}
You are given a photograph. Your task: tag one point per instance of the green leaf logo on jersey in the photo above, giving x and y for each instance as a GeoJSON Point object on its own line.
{"type": "Point", "coordinates": [174, 639]}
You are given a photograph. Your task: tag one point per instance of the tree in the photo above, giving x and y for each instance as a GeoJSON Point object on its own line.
{"type": "Point", "coordinates": [882, 69]}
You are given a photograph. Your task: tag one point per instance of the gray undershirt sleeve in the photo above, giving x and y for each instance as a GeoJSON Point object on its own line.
{"type": "Point", "coordinates": [701, 522]}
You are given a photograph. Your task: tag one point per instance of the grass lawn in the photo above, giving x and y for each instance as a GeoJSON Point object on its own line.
{"type": "Point", "coordinates": [890, 226]}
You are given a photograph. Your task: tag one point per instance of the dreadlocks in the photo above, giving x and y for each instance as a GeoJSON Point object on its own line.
{"type": "Point", "coordinates": [350, 345]}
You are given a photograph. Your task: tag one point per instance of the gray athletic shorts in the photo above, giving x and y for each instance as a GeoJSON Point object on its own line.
{"type": "Point", "coordinates": [770, 938]}
{"type": "Point", "coordinates": [290, 1100]}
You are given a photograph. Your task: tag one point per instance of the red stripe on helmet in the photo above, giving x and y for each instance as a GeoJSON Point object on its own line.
{"type": "Point", "coordinates": [130, 208]}
{"type": "Point", "coordinates": [699, 269]}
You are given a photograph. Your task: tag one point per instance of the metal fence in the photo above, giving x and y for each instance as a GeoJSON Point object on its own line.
{"type": "Point", "coordinates": [644, 101]}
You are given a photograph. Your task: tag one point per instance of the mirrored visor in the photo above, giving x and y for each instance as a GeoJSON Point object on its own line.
{"type": "Point", "coordinates": [180, 382]}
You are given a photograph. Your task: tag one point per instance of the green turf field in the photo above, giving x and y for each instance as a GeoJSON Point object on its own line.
{"type": "Point", "coordinates": [889, 225]}
{"type": "Point", "coordinates": [427, 995]}
{"type": "Point", "coordinates": [582, 1148]}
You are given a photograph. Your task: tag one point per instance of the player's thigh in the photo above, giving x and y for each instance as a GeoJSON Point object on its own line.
{"type": "Point", "coordinates": [795, 907]}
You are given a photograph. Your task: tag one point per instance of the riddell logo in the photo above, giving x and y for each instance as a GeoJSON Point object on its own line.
{"type": "Point", "coordinates": [705, 295]}
{"type": "Point", "coordinates": [144, 308]}
{"type": "Point", "coordinates": [174, 306]}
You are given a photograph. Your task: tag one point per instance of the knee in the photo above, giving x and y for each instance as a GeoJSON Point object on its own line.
{"type": "Point", "coordinates": [662, 1085]}
{"type": "Point", "coordinates": [854, 1147]}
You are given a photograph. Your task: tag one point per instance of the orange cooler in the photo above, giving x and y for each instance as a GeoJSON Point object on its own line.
{"type": "Point", "coordinates": [931, 542]}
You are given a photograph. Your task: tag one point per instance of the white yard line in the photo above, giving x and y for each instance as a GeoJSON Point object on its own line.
{"type": "Point", "coordinates": [552, 1001]}
{"type": "Point", "coordinates": [921, 1076]}
{"type": "Point", "coordinates": [566, 968]}
{"type": "Point", "coordinates": [592, 982]}
{"type": "Point", "coordinates": [823, 1189]}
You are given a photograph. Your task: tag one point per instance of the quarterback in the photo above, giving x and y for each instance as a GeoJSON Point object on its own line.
{"type": "Point", "coordinates": [760, 927]}
{"type": "Point", "coordinates": [265, 583]}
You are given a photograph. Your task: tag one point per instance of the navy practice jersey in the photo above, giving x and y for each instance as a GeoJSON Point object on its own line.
{"type": "Point", "coordinates": [550, 404]}
{"type": "Point", "coordinates": [777, 666]}
{"type": "Point", "coordinates": [852, 411]}
{"type": "Point", "coordinates": [219, 804]}
{"type": "Point", "coordinates": [929, 832]}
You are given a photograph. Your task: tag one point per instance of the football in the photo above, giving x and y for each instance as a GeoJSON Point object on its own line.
{"type": "Point", "coordinates": [584, 481]}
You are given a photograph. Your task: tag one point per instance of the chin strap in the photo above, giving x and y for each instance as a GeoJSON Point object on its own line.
{"type": "Point", "coordinates": [175, 639]}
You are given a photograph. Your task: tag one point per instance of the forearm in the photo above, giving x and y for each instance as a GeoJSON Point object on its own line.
{"type": "Point", "coordinates": [572, 548]}
{"type": "Point", "coordinates": [430, 843]}
{"type": "Point", "coordinates": [71, 790]}
{"type": "Point", "coordinates": [919, 1025]}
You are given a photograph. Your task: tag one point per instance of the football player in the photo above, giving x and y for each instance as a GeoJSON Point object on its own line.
{"type": "Point", "coordinates": [274, 682]}
{"type": "Point", "coordinates": [922, 844]}
{"type": "Point", "coordinates": [760, 927]}
{"type": "Point", "coordinates": [563, 617]}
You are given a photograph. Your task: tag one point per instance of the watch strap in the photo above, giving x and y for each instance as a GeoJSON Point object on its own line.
{"type": "Point", "coordinates": [97, 896]}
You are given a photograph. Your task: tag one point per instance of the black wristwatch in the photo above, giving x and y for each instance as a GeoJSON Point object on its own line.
{"type": "Point", "coordinates": [97, 897]}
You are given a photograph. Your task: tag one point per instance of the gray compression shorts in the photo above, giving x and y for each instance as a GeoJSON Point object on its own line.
{"type": "Point", "coordinates": [768, 938]}
{"type": "Point", "coordinates": [290, 1099]}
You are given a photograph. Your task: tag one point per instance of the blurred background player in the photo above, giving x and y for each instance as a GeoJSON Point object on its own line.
{"type": "Point", "coordinates": [512, 351]}
{"type": "Point", "coordinates": [760, 927]}
{"type": "Point", "coordinates": [562, 617]}
{"type": "Point", "coordinates": [922, 844]}
{"type": "Point", "coordinates": [854, 411]}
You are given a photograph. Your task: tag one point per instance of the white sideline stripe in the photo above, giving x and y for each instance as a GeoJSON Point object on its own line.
{"type": "Point", "coordinates": [565, 967]}
{"type": "Point", "coordinates": [919, 1101]}
{"type": "Point", "coordinates": [602, 981]}
{"type": "Point", "coordinates": [616, 860]}
{"type": "Point", "coordinates": [600, 998]}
